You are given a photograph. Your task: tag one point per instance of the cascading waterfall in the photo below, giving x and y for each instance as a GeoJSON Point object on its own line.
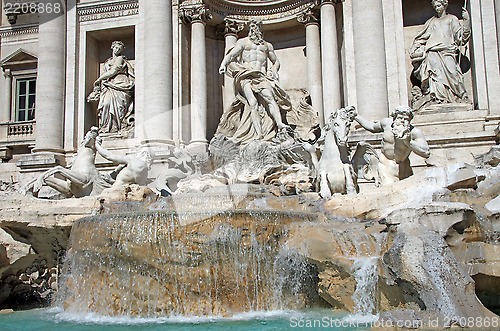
{"type": "Point", "coordinates": [365, 271]}
{"type": "Point", "coordinates": [165, 263]}
{"type": "Point", "coordinates": [366, 275]}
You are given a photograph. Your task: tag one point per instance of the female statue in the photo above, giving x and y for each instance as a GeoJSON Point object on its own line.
{"type": "Point", "coordinates": [434, 55]}
{"type": "Point", "coordinates": [114, 90]}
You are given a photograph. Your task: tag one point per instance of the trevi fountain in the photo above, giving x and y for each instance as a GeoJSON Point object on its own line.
{"type": "Point", "coordinates": [236, 181]}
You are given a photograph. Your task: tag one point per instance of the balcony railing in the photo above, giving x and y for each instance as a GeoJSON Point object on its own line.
{"type": "Point", "coordinates": [18, 131]}
{"type": "Point", "coordinates": [21, 129]}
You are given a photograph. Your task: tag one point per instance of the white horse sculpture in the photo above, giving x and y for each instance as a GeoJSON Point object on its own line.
{"type": "Point", "coordinates": [335, 171]}
{"type": "Point", "coordinates": [81, 178]}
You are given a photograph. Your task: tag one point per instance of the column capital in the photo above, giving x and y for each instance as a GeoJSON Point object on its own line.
{"type": "Point", "coordinates": [308, 17]}
{"type": "Point", "coordinates": [232, 26]}
{"type": "Point", "coordinates": [194, 13]}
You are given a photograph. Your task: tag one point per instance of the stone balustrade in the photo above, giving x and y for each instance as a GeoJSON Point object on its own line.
{"type": "Point", "coordinates": [18, 130]}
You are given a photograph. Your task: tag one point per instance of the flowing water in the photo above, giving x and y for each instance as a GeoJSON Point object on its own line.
{"type": "Point", "coordinates": [192, 264]}
{"type": "Point", "coordinates": [366, 275]}
{"type": "Point", "coordinates": [222, 269]}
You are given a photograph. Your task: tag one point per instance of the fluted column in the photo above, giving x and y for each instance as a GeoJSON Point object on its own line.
{"type": "Point", "coordinates": [158, 46]}
{"type": "Point", "coordinates": [330, 58]}
{"type": "Point", "coordinates": [49, 102]}
{"type": "Point", "coordinates": [313, 55]}
{"type": "Point", "coordinates": [197, 16]}
{"type": "Point", "coordinates": [231, 29]}
{"type": "Point", "coordinates": [369, 55]}
{"type": "Point", "coordinates": [5, 108]}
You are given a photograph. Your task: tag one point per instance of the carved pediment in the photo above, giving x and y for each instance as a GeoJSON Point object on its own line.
{"type": "Point", "coordinates": [19, 58]}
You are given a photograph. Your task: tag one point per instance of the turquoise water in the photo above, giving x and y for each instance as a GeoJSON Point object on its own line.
{"type": "Point", "coordinates": [54, 319]}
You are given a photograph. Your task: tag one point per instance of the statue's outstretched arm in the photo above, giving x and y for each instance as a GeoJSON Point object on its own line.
{"type": "Point", "coordinates": [108, 155]}
{"type": "Point", "coordinates": [418, 144]}
{"type": "Point", "coordinates": [372, 126]}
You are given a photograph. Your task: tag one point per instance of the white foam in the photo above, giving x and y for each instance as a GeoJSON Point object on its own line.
{"type": "Point", "coordinates": [91, 318]}
{"type": "Point", "coordinates": [361, 318]}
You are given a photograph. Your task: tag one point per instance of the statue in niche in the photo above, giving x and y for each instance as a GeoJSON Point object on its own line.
{"type": "Point", "coordinates": [81, 178]}
{"type": "Point", "coordinates": [255, 113]}
{"type": "Point", "coordinates": [435, 55]}
{"type": "Point", "coordinates": [132, 169]}
{"type": "Point", "coordinates": [114, 92]}
{"type": "Point", "coordinates": [399, 139]}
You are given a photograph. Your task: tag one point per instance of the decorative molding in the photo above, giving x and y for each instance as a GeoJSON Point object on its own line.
{"type": "Point", "coordinates": [19, 30]}
{"type": "Point", "coordinates": [308, 17]}
{"type": "Point", "coordinates": [194, 13]}
{"type": "Point", "coordinates": [232, 27]}
{"type": "Point", "coordinates": [109, 9]}
{"type": "Point", "coordinates": [243, 10]}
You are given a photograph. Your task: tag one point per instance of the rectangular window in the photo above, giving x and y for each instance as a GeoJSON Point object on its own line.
{"type": "Point", "coordinates": [25, 99]}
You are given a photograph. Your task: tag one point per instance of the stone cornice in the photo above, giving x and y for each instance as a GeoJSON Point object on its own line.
{"type": "Point", "coordinates": [18, 30]}
{"type": "Point", "coordinates": [108, 9]}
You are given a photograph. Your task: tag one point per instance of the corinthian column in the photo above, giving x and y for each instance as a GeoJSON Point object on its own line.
{"type": "Point", "coordinates": [231, 29]}
{"type": "Point", "coordinates": [49, 102]}
{"type": "Point", "coordinates": [313, 55]}
{"type": "Point", "coordinates": [197, 16]}
{"type": "Point", "coordinates": [330, 58]}
{"type": "Point", "coordinates": [369, 56]}
{"type": "Point", "coordinates": [158, 45]}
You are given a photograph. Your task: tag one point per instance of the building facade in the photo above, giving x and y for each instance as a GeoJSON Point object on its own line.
{"type": "Point", "coordinates": [347, 52]}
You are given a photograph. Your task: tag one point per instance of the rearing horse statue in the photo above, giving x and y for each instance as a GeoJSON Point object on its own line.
{"type": "Point", "coordinates": [335, 171]}
{"type": "Point", "coordinates": [80, 179]}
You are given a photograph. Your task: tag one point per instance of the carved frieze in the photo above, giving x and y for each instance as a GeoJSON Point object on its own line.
{"type": "Point", "coordinates": [15, 31]}
{"type": "Point", "coordinates": [109, 9]}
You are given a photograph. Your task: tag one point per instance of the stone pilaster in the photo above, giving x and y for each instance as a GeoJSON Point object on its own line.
{"type": "Point", "coordinates": [489, 24]}
{"type": "Point", "coordinates": [49, 103]}
{"type": "Point", "coordinates": [330, 58]}
{"type": "Point", "coordinates": [369, 55]}
{"type": "Point", "coordinates": [158, 96]}
{"type": "Point", "coordinates": [197, 16]}
{"type": "Point", "coordinates": [231, 30]}
{"type": "Point", "coordinates": [313, 55]}
{"type": "Point", "coordinates": [5, 107]}
{"type": "Point", "coordinates": [497, 15]}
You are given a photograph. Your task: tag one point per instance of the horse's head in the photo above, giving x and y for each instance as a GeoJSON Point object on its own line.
{"type": "Point", "coordinates": [90, 137]}
{"type": "Point", "coordinates": [340, 123]}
